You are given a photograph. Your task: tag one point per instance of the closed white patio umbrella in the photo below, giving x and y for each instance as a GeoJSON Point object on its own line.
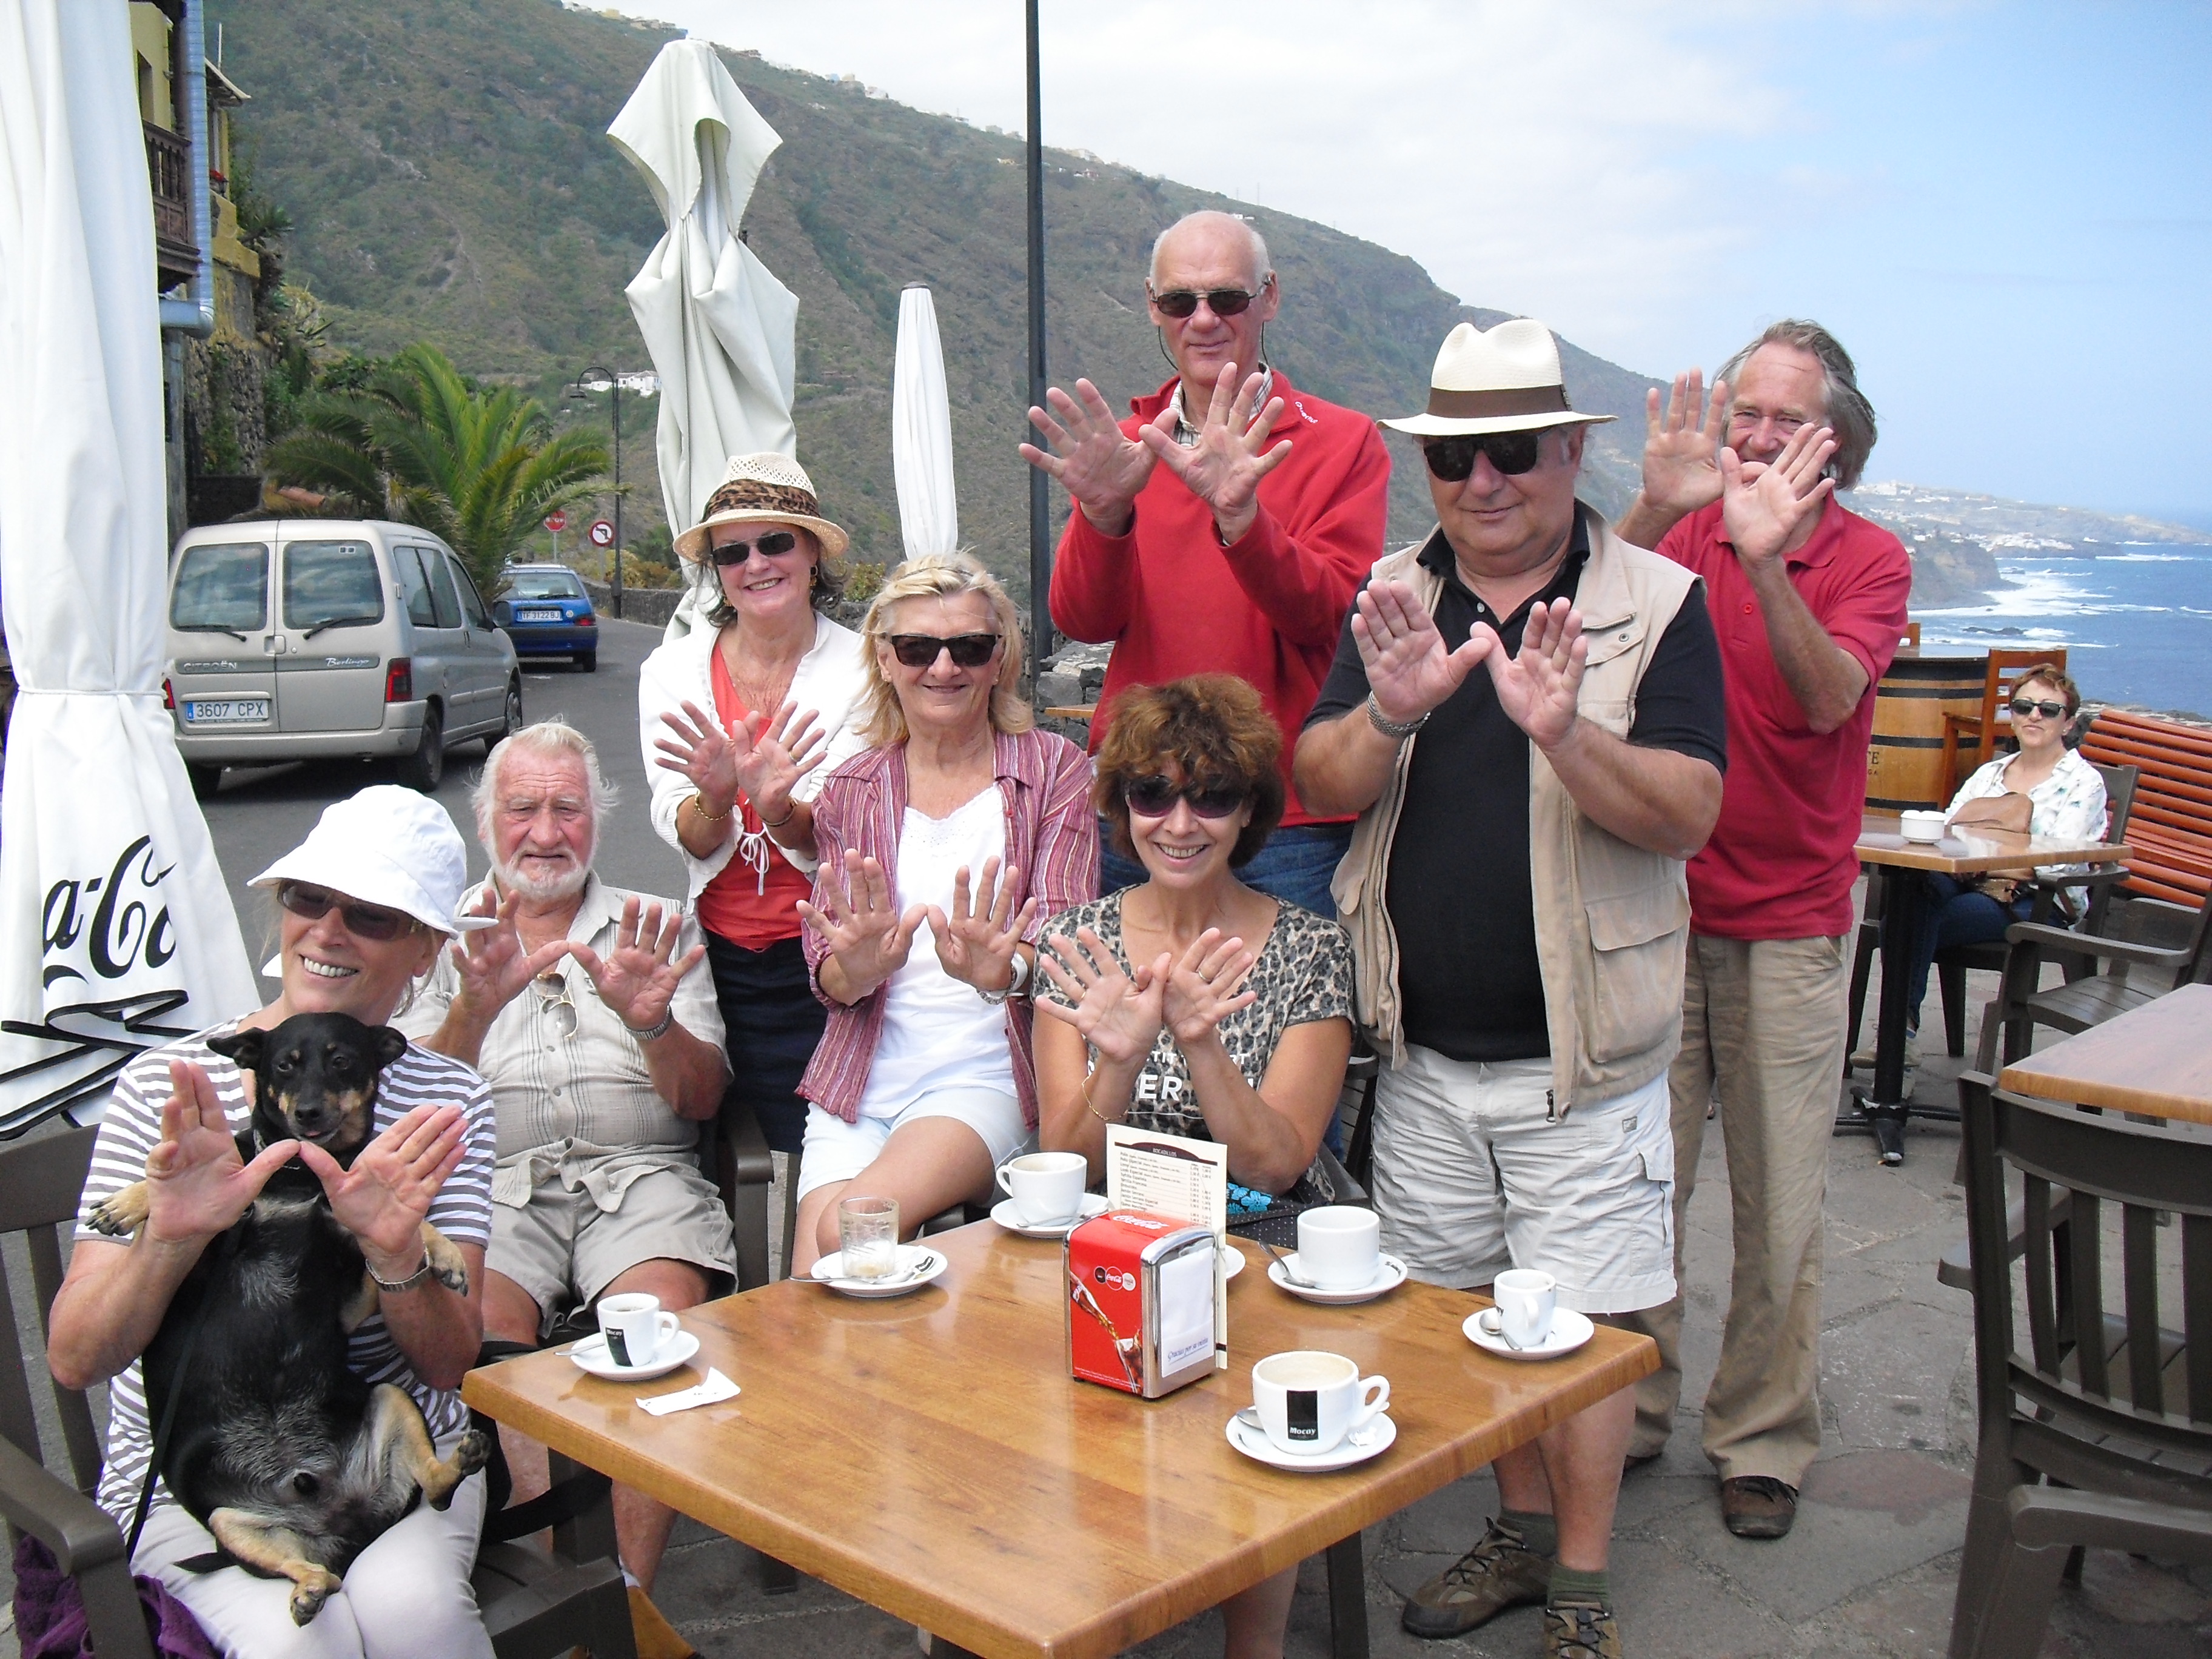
{"type": "Point", "coordinates": [719, 325]}
{"type": "Point", "coordinates": [922, 431]}
{"type": "Point", "coordinates": [116, 929]}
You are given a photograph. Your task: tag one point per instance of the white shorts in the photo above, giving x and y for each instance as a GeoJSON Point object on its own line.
{"type": "Point", "coordinates": [838, 1151]}
{"type": "Point", "coordinates": [1471, 1179]}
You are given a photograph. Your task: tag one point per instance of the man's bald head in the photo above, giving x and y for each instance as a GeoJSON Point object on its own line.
{"type": "Point", "coordinates": [1209, 226]}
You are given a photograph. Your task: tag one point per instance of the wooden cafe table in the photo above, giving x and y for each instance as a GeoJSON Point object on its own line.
{"type": "Point", "coordinates": [930, 1453]}
{"type": "Point", "coordinates": [2152, 1061]}
{"type": "Point", "coordinates": [1975, 852]}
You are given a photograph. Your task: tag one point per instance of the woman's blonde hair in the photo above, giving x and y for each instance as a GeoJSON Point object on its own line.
{"type": "Point", "coordinates": [943, 576]}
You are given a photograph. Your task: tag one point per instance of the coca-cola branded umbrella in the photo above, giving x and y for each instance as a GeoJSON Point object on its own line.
{"type": "Point", "coordinates": [116, 929]}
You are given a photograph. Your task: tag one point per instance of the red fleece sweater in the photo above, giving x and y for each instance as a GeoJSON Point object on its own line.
{"type": "Point", "coordinates": [1270, 608]}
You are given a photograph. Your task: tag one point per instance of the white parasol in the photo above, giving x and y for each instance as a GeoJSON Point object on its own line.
{"type": "Point", "coordinates": [719, 325]}
{"type": "Point", "coordinates": [119, 933]}
{"type": "Point", "coordinates": [922, 431]}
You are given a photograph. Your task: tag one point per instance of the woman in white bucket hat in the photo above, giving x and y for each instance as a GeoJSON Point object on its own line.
{"type": "Point", "coordinates": [362, 908]}
{"type": "Point", "coordinates": [740, 722]}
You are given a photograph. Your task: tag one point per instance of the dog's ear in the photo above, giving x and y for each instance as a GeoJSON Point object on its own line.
{"type": "Point", "coordinates": [391, 1042]}
{"type": "Point", "coordinates": [248, 1048]}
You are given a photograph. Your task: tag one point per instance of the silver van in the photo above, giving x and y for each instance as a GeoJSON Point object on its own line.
{"type": "Point", "coordinates": [295, 639]}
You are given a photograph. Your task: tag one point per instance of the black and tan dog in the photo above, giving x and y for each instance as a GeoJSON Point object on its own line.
{"type": "Point", "coordinates": [285, 1454]}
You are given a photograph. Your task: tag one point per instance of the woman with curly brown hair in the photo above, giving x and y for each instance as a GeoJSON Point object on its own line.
{"type": "Point", "coordinates": [1192, 1004]}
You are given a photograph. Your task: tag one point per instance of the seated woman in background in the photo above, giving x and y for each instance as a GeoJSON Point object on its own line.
{"type": "Point", "coordinates": [1191, 1004]}
{"type": "Point", "coordinates": [2066, 796]}
{"type": "Point", "coordinates": [923, 1084]}
{"type": "Point", "coordinates": [364, 905]}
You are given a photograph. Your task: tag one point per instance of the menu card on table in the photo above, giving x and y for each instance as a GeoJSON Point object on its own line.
{"type": "Point", "coordinates": [1187, 1180]}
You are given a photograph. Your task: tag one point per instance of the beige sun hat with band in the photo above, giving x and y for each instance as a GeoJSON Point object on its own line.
{"type": "Point", "coordinates": [764, 489]}
{"type": "Point", "coordinates": [1503, 379]}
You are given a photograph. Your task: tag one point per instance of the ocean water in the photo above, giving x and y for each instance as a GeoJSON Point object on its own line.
{"type": "Point", "coordinates": [2136, 621]}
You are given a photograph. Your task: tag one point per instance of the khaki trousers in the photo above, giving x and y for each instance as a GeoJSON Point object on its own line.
{"type": "Point", "coordinates": [1763, 1029]}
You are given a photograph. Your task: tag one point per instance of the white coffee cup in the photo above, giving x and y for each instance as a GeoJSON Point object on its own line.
{"type": "Point", "coordinates": [1526, 1299]}
{"type": "Point", "coordinates": [1921, 826]}
{"type": "Point", "coordinates": [1309, 1400]}
{"type": "Point", "coordinates": [634, 1327]}
{"type": "Point", "coordinates": [1047, 1188]}
{"type": "Point", "coordinates": [1340, 1246]}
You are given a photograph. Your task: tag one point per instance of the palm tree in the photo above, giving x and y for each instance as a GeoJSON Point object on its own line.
{"type": "Point", "coordinates": [419, 444]}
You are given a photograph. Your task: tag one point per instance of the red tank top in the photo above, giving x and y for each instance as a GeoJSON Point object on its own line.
{"type": "Point", "coordinates": [741, 904]}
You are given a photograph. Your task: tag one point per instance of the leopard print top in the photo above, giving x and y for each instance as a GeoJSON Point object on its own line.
{"type": "Point", "coordinates": [1303, 973]}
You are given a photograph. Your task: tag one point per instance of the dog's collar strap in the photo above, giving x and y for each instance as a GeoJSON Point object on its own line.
{"type": "Point", "coordinates": [393, 1287]}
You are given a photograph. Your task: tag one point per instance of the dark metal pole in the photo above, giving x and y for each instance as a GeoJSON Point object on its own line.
{"type": "Point", "coordinates": [1040, 486]}
{"type": "Point", "coordinates": [615, 382]}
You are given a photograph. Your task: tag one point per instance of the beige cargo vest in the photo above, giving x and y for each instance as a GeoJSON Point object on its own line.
{"type": "Point", "coordinates": [1612, 919]}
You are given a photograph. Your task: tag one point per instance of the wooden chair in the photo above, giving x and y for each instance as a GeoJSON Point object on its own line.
{"type": "Point", "coordinates": [2112, 989]}
{"type": "Point", "coordinates": [2099, 1433]}
{"type": "Point", "coordinates": [535, 1606]}
{"type": "Point", "coordinates": [1951, 964]}
{"type": "Point", "coordinates": [1971, 740]}
{"type": "Point", "coordinates": [1911, 639]}
{"type": "Point", "coordinates": [2171, 834]}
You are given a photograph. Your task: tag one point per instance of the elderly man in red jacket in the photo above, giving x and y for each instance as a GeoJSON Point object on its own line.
{"type": "Point", "coordinates": [1224, 526]}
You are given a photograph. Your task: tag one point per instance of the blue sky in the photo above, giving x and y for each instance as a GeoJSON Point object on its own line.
{"type": "Point", "coordinates": [2004, 211]}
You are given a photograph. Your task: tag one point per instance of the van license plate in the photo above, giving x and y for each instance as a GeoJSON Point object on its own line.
{"type": "Point", "coordinates": [539, 616]}
{"type": "Point", "coordinates": [231, 711]}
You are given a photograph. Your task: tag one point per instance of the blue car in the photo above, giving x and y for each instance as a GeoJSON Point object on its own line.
{"type": "Point", "coordinates": [546, 612]}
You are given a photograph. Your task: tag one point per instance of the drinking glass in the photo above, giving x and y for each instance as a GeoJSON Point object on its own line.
{"type": "Point", "coordinates": [868, 1234]}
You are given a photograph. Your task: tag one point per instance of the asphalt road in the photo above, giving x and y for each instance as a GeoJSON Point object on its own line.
{"type": "Point", "coordinates": [263, 812]}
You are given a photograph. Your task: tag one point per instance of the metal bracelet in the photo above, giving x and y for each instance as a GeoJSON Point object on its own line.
{"type": "Point", "coordinates": [1017, 983]}
{"type": "Point", "coordinates": [393, 1287]}
{"type": "Point", "coordinates": [1396, 731]}
{"type": "Point", "coordinates": [667, 1019]}
{"type": "Point", "coordinates": [699, 806]}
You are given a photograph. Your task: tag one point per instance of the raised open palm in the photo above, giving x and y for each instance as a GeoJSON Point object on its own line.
{"type": "Point", "coordinates": [1117, 1013]}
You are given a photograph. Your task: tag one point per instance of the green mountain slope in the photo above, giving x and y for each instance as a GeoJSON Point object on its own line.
{"type": "Point", "coordinates": [446, 165]}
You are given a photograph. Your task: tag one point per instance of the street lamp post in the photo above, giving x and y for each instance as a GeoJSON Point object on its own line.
{"type": "Point", "coordinates": [588, 381]}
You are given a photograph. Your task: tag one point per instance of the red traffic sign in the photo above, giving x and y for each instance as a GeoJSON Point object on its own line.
{"type": "Point", "coordinates": [602, 533]}
{"type": "Point", "coordinates": [557, 521]}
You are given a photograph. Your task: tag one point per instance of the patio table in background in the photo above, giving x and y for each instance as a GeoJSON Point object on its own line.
{"type": "Point", "coordinates": [1960, 853]}
{"type": "Point", "coordinates": [931, 1455]}
{"type": "Point", "coordinates": [2153, 1060]}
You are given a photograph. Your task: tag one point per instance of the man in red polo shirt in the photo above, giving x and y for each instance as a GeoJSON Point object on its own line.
{"type": "Point", "coordinates": [1224, 527]}
{"type": "Point", "coordinates": [1809, 601]}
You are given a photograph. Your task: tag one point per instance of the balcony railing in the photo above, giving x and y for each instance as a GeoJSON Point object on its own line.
{"type": "Point", "coordinates": [169, 169]}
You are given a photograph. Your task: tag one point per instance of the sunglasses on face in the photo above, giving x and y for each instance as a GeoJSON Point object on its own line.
{"type": "Point", "coordinates": [371, 922]}
{"type": "Point", "coordinates": [1181, 302]}
{"type": "Point", "coordinates": [773, 545]}
{"type": "Point", "coordinates": [2023, 707]}
{"type": "Point", "coordinates": [1155, 797]}
{"type": "Point", "coordinates": [967, 650]}
{"type": "Point", "coordinates": [1511, 453]}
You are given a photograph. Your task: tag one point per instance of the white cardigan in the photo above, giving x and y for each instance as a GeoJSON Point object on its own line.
{"type": "Point", "coordinates": [830, 679]}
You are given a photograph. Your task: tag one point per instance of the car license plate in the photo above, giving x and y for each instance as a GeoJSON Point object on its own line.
{"type": "Point", "coordinates": [539, 616]}
{"type": "Point", "coordinates": [230, 711]}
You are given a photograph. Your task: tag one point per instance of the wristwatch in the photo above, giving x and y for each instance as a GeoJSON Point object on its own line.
{"type": "Point", "coordinates": [1015, 987]}
{"type": "Point", "coordinates": [1396, 731]}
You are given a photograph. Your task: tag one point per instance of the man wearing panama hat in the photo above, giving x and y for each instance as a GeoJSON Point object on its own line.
{"type": "Point", "coordinates": [1527, 714]}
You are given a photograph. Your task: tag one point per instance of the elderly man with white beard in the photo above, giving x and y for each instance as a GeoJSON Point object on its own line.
{"type": "Point", "coordinates": [587, 1011]}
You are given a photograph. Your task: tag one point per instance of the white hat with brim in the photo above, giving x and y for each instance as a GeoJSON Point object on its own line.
{"type": "Point", "coordinates": [763, 488]}
{"type": "Point", "coordinates": [1504, 379]}
{"type": "Point", "coordinates": [386, 846]}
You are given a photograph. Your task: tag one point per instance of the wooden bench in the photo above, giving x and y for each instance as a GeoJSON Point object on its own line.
{"type": "Point", "coordinates": [2171, 829]}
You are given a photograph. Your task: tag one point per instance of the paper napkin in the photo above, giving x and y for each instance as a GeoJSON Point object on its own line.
{"type": "Point", "coordinates": [717, 1388]}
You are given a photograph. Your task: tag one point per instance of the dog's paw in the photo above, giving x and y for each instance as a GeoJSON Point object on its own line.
{"type": "Point", "coordinates": [310, 1591]}
{"type": "Point", "coordinates": [447, 1266]}
{"type": "Point", "coordinates": [121, 1213]}
{"type": "Point", "coordinates": [470, 1453]}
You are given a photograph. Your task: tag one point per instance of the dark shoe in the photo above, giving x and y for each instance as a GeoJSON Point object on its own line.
{"type": "Point", "coordinates": [1579, 1630]}
{"type": "Point", "coordinates": [1758, 1506]}
{"type": "Point", "coordinates": [1500, 1571]}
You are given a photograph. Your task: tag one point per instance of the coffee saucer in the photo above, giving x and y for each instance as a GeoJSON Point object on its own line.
{"type": "Point", "coordinates": [1389, 1275]}
{"type": "Point", "coordinates": [1006, 1216]}
{"type": "Point", "coordinates": [917, 1266]}
{"type": "Point", "coordinates": [1370, 1440]}
{"type": "Point", "coordinates": [1569, 1330]}
{"type": "Point", "coordinates": [1232, 1261]}
{"type": "Point", "coordinates": [589, 1354]}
